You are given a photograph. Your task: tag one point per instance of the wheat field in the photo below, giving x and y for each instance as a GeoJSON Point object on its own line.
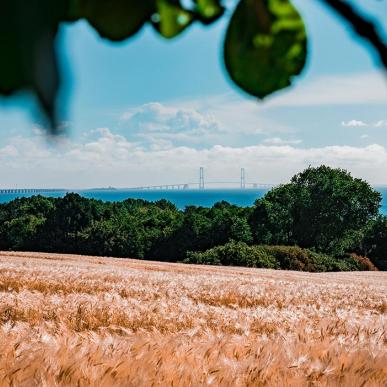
{"type": "Point", "coordinates": [67, 320]}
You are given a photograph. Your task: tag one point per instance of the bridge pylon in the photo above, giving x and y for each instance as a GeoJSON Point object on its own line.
{"type": "Point", "coordinates": [243, 178]}
{"type": "Point", "coordinates": [201, 178]}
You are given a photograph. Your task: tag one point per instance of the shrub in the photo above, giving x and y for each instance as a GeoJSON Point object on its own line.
{"type": "Point", "coordinates": [364, 263]}
{"type": "Point", "coordinates": [277, 257]}
{"type": "Point", "coordinates": [292, 257]}
{"type": "Point", "coordinates": [234, 254]}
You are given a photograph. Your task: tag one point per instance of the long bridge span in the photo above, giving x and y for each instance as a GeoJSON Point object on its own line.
{"type": "Point", "coordinates": [30, 190]}
{"type": "Point", "coordinates": [193, 185]}
{"type": "Point", "coordinates": [202, 183]}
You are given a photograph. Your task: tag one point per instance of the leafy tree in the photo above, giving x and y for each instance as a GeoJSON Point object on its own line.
{"type": "Point", "coordinates": [21, 231]}
{"type": "Point", "coordinates": [62, 230]}
{"type": "Point", "coordinates": [228, 222]}
{"type": "Point", "coordinates": [265, 44]}
{"type": "Point", "coordinates": [118, 236]}
{"type": "Point", "coordinates": [203, 228]}
{"type": "Point", "coordinates": [374, 243]}
{"type": "Point", "coordinates": [321, 207]}
{"type": "Point", "coordinates": [271, 220]}
{"type": "Point", "coordinates": [20, 220]}
{"type": "Point", "coordinates": [132, 228]}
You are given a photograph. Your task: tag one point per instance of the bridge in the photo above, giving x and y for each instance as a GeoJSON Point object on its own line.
{"type": "Point", "coordinates": [202, 183]}
{"type": "Point", "coordinates": [194, 185]}
{"type": "Point", "coordinates": [162, 187]}
{"type": "Point", "coordinates": [31, 190]}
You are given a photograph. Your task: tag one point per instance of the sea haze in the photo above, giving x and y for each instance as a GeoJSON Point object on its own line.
{"type": "Point", "coordinates": [181, 198]}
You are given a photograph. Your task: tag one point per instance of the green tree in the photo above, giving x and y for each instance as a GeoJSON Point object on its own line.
{"type": "Point", "coordinates": [374, 243]}
{"type": "Point", "coordinates": [21, 219]}
{"type": "Point", "coordinates": [321, 207]}
{"type": "Point", "coordinates": [62, 230]}
{"type": "Point", "coordinates": [342, 209]}
{"type": "Point", "coordinates": [203, 228]}
{"type": "Point", "coordinates": [118, 236]}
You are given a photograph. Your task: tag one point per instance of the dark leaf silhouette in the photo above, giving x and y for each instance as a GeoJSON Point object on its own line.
{"type": "Point", "coordinates": [265, 45]}
{"type": "Point", "coordinates": [27, 39]}
{"type": "Point", "coordinates": [113, 19]}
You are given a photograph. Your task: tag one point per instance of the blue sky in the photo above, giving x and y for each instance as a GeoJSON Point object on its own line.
{"type": "Point", "coordinates": [151, 111]}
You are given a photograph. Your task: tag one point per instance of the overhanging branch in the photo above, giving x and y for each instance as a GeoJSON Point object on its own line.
{"type": "Point", "coordinates": [363, 27]}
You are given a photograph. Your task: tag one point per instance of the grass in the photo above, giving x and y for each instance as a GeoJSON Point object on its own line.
{"type": "Point", "coordinates": [69, 320]}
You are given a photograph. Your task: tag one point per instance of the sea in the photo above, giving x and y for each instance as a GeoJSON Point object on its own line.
{"type": "Point", "coordinates": [181, 198]}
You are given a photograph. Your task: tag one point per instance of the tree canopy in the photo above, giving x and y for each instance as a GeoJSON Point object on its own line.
{"type": "Point", "coordinates": [265, 45]}
{"type": "Point", "coordinates": [321, 207]}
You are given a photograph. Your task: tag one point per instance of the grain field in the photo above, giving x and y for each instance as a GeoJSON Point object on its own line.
{"type": "Point", "coordinates": [78, 321]}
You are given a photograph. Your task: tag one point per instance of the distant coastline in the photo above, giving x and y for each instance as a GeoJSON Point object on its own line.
{"type": "Point", "coordinates": [181, 198]}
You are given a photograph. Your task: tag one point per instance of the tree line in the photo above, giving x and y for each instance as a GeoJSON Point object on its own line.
{"type": "Point", "coordinates": [317, 222]}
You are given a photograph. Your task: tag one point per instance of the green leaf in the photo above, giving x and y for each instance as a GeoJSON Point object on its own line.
{"type": "Point", "coordinates": [113, 19]}
{"type": "Point", "coordinates": [28, 62]}
{"type": "Point", "coordinates": [208, 10]}
{"type": "Point", "coordinates": [265, 46]}
{"type": "Point", "coordinates": [171, 18]}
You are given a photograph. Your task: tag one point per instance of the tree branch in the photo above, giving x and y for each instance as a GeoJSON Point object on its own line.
{"type": "Point", "coordinates": [363, 27]}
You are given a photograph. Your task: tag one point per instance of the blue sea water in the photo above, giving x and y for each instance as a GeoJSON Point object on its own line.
{"type": "Point", "coordinates": [181, 198]}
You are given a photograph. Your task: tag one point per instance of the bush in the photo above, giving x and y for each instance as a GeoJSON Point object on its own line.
{"type": "Point", "coordinates": [292, 257]}
{"type": "Point", "coordinates": [364, 263]}
{"type": "Point", "coordinates": [277, 257]}
{"type": "Point", "coordinates": [234, 254]}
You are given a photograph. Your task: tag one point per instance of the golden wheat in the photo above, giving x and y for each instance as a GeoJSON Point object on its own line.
{"type": "Point", "coordinates": [70, 320]}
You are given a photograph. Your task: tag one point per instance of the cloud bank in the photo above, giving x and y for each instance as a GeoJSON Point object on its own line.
{"type": "Point", "coordinates": [358, 123]}
{"type": "Point", "coordinates": [111, 159]}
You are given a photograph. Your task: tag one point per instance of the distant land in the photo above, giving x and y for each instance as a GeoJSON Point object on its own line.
{"type": "Point", "coordinates": [180, 197]}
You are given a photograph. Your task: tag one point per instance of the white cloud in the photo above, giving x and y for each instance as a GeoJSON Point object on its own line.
{"type": "Point", "coordinates": [280, 141]}
{"type": "Point", "coordinates": [162, 124]}
{"type": "Point", "coordinates": [353, 123]}
{"type": "Point", "coordinates": [364, 136]}
{"type": "Point", "coordinates": [230, 119]}
{"type": "Point", "coordinates": [9, 151]}
{"type": "Point", "coordinates": [358, 123]}
{"type": "Point", "coordinates": [111, 159]}
{"type": "Point", "coordinates": [380, 124]}
{"type": "Point", "coordinates": [226, 119]}
{"type": "Point", "coordinates": [157, 117]}
{"type": "Point", "coordinates": [353, 89]}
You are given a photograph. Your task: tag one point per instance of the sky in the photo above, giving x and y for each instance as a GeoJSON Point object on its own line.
{"type": "Point", "coordinates": [149, 111]}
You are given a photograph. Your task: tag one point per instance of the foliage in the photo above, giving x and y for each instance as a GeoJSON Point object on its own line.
{"type": "Point", "coordinates": [364, 263]}
{"type": "Point", "coordinates": [324, 211]}
{"type": "Point", "coordinates": [374, 242]}
{"type": "Point", "coordinates": [20, 221]}
{"type": "Point", "coordinates": [203, 228]}
{"type": "Point", "coordinates": [275, 257]}
{"type": "Point", "coordinates": [265, 45]}
{"type": "Point", "coordinates": [321, 207]}
{"type": "Point", "coordinates": [64, 224]}
{"type": "Point", "coordinates": [234, 254]}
